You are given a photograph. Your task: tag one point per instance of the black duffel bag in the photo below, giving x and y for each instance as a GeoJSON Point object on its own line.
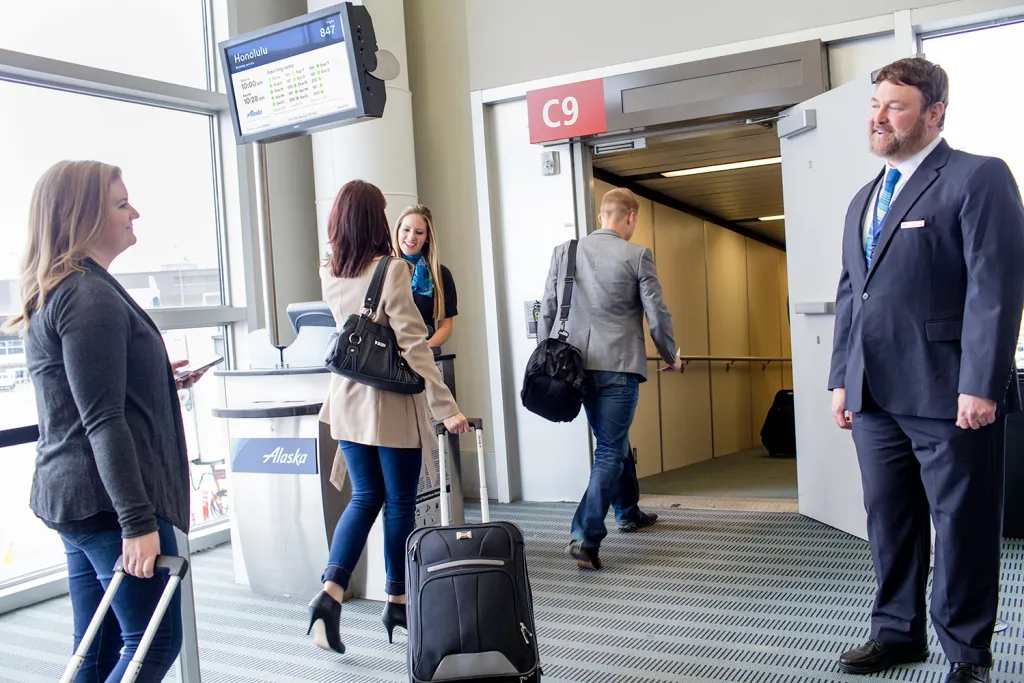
{"type": "Point", "coordinates": [553, 386]}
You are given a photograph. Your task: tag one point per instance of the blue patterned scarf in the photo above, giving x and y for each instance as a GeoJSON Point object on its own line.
{"type": "Point", "coordinates": [422, 280]}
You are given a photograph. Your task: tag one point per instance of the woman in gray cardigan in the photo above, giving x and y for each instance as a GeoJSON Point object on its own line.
{"type": "Point", "coordinates": [111, 469]}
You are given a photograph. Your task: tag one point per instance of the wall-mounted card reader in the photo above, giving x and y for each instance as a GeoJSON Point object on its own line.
{"type": "Point", "coordinates": [532, 316]}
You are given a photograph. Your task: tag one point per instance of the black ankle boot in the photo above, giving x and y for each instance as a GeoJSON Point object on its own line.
{"type": "Point", "coordinates": [394, 615]}
{"type": "Point", "coordinates": [326, 611]}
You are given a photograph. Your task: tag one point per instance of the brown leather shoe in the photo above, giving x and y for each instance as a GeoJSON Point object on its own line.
{"type": "Point", "coordinates": [873, 656]}
{"type": "Point", "coordinates": [967, 673]}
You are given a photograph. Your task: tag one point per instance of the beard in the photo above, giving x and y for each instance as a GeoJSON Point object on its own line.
{"type": "Point", "coordinates": [898, 144]}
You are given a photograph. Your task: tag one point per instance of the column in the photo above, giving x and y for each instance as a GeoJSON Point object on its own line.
{"type": "Point", "coordinates": [380, 152]}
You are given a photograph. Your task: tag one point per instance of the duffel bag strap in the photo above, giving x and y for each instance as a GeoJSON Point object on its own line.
{"type": "Point", "coordinates": [570, 277]}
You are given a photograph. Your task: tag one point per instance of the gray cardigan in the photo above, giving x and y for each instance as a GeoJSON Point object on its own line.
{"type": "Point", "coordinates": [111, 438]}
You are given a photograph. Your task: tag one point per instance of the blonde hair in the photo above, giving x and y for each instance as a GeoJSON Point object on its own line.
{"type": "Point", "coordinates": [619, 203]}
{"type": "Point", "coordinates": [68, 213]}
{"type": "Point", "coordinates": [430, 252]}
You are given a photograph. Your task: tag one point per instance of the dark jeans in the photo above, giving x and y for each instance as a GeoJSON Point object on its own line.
{"type": "Point", "coordinates": [91, 559]}
{"type": "Point", "coordinates": [380, 476]}
{"type": "Point", "coordinates": [610, 403]}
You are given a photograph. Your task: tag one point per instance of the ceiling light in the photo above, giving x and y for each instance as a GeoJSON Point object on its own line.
{"type": "Point", "coordinates": [723, 167]}
{"type": "Point", "coordinates": [771, 218]}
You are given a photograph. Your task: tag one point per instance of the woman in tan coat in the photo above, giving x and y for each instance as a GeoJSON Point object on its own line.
{"type": "Point", "coordinates": [381, 433]}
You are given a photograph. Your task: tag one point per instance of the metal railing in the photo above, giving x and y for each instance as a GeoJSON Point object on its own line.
{"type": "Point", "coordinates": [19, 436]}
{"type": "Point", "coordinates": [729, 361]}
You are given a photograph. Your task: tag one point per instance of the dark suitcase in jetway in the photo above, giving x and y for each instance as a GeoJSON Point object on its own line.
{"type": "Point", "coordinates": [778, 434]}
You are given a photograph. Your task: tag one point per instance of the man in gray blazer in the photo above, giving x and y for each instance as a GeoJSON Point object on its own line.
{"type": "Point", "coordinates": [615, 285]}
{"type": "Point", "coordinates": [927, 317]}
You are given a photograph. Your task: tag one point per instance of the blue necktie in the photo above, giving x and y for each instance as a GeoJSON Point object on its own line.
{"type": "Point", "coordinates": [881, 208]}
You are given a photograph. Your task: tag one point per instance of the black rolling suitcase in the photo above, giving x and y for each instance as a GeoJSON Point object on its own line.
{"type": "Point", "coordinates": [470, 607]}
{"type": "Point", "coordinates": [177, 567]}
{"type": "Point", "coordinates": [778, 434]}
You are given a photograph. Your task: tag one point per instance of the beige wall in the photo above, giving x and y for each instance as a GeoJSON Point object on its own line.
{"type": "Point", "coordinates": [729, 335]}
{"type": "Point", "coordinates": [513, 42]}
{"type": "Point", "coordinates": [787, 347]}
{"type": "Point", "coordinates": [686, 417]}
{"type": "Point", "coordinates": [439, 78]}
{"type": "Point", "coordinates": [765, 304]}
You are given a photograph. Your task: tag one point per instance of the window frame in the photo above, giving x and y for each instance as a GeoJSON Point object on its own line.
{"type": "Point", "coordinates": [964, 28]}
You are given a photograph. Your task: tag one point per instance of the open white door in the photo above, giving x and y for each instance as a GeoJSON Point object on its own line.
{"type": "Point", "coordinates": [825, 161]}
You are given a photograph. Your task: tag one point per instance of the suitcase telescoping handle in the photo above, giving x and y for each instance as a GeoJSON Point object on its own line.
{"type": "Point", "coordinates": [177, 567]}
{"type": "Point", "coordinates": [478, 426]}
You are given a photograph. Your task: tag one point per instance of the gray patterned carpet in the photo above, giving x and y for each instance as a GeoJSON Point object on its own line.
{"type": "Point", "coordinates": [745, 597]}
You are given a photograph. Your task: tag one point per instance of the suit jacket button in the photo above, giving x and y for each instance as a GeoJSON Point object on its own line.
{"type": "Point", "coordinates": [864, 296]}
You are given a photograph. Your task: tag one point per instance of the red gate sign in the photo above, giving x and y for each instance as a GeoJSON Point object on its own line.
{"type": "Point", "coordinates": [566, 111]}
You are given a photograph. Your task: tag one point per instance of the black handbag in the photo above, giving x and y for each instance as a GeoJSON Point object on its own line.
{"type": "Point", "coordinates": [367, 352]}
{"type": "Point", "coordinates": [553, 386]}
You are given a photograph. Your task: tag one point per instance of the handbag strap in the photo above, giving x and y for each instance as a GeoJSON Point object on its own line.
{"type": "Point", "coordinates": [570, 277]}
{"type": "Point", "coordinates": [370, 302]}
{"type": "Point", "coordinates": [373, 293]}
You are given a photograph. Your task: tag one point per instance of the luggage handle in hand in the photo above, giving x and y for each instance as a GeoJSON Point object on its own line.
{"type": "Point", "coordinates": [177, 567]}
{"type": "Point", "coordinates": [477, 425]}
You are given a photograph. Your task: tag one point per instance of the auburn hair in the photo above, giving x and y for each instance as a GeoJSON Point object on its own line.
{"type": "Point", "coordinates": [357, 229]}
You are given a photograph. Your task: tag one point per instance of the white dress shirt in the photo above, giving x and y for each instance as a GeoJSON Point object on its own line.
{"type": "Point", "coordinates": [906, 170]}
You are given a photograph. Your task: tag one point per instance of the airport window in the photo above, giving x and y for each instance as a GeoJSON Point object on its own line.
{"type": "Point", "coordinates": [118, 35]}
{"type": "Point", "coordinates": [204, 434]}
{"type": "Point", "coordinates": [166, 158]}
{"type": "Point", "coordinates": [169, 156]}
{"type": "Point", "coordinates": [982, 65]}
{"type": "Point", "coordinates": [27, 546]}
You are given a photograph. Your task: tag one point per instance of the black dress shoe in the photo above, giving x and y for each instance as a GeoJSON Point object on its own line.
{"type": "Point", "coordinates": [585, 556]}
{"type": "Point", "coordinates": [967, 673]}
{"type": "Point", "coordinates": [874, 656]}
{"type": "Point", "coordinates": [643, 521]}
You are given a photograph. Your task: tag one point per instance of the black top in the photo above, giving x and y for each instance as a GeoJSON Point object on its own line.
{"type": "Point", "coordinates": [425, 304]}
{"type": "Point", "coordinates": [111, 451]}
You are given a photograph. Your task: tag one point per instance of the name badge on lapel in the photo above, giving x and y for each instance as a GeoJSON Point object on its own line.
{"type": "Point", "coordinates": [906, 225]}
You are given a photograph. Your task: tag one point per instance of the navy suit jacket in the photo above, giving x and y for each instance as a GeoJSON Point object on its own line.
{"type": "Point", "coordinates": [939, 313]}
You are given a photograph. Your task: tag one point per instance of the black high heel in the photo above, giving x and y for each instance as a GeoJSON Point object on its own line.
{"type": "Point", "coordinates": [325, 614]}
{"type": "Point", "coordinates": [394, 615]}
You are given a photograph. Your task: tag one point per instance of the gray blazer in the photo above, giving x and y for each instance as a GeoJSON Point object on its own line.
{"type": "Point", "coordinates": [616, 283]}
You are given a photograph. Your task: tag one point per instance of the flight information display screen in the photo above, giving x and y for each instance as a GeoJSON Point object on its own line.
{"type": "Point", "coordinates": [293, 76]}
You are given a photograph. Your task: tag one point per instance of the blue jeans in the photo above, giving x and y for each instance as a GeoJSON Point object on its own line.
{"type": "Point", "coordinates": [91, 559]}
{"type": "Point", "coordinates": [380, 476]}
{"type": "Point", "coordinates": [610, 402]}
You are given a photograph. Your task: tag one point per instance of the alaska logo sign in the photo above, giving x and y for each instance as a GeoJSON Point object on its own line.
{"type": "Point", "coordinates": [274, 456]}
